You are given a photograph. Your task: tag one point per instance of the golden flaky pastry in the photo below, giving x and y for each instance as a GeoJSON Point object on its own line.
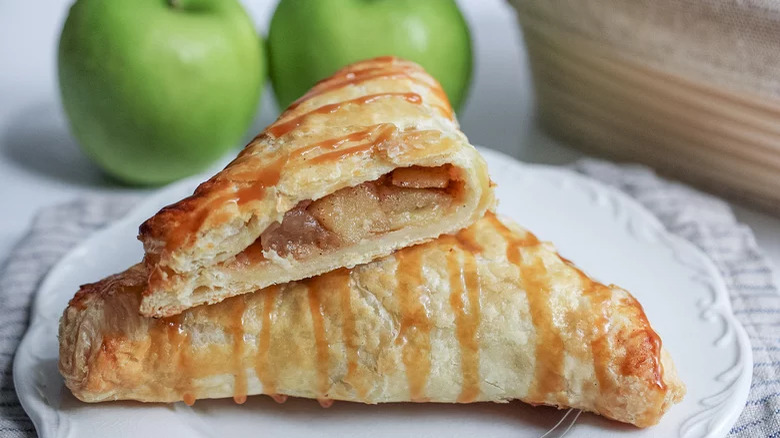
{"type": "Point", "coordinates": [489, 314]}
{"type": "Point", "coordinates": [369, 161]}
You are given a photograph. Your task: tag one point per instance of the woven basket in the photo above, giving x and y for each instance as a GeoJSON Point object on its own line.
{"type": "Point", "coordinates": [689, 87]}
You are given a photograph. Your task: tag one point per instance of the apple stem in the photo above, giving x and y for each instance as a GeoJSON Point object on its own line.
{"type": "Point", "coordinates": [174, 3]}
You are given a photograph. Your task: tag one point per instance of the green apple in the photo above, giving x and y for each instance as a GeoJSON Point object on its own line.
{"type": "Point", "coordinates": [157, 90]}
{"type": "Point", "coordinates": [310, 39]}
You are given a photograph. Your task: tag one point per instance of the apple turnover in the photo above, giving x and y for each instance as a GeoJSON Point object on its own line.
{"type": "Point", "coordinates": [371, 160]}
{"type": "Point", "coordinates": [487, 314]}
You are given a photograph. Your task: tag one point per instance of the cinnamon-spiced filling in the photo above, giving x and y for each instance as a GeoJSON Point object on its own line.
{"type": "Point", "coordinates": [407, 196]}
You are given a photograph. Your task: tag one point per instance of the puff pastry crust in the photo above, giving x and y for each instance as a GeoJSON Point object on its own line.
{"type": "Point", "coordinates": [380, 125]}
{"type": "Point", "coordinates": [488, 314]}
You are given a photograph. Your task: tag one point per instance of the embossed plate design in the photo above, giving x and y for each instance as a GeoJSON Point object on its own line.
{"type": "Point", "coordinates": [607, 234]}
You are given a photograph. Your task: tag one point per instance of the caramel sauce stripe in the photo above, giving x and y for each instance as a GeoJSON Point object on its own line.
{"type": "Point", "coordinates": [415, 328]}
{"type": "Point", "coordinates": [282, 127]}
{"type": "Point", "coordinates": [321, 346]}
{"type": "Point", "coordinates": [549, 369]}
{"type": "Point", "coordinates": [263, 367]}
{"type": "Point", "coordinates": [599, 297]}
{"type": "Point", "coordinates": [239, 348]}
{"type": "Point", "coordinates": [170, 348]}
{"type": "Point", "coordinates": [382, 134]}
{"type": "Point", "coordinates": [464, 283]}
{"type": "Point", "coordinates": [349, 334]}
{"type": "Point", "coordinates": [352, 78]}
{"type": "Point", "coordinates": [254, 190]}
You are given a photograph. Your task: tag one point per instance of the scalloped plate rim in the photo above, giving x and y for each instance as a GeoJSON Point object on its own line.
{"type": "Point", "coordinates": [41, 413]}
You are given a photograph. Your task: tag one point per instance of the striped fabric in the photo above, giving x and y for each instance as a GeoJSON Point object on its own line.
{"type": "Point", "coordinates": [704, 220]}
{"type": "Point", "coordinates": [710, 224]}
{"type": "Point", "coordinates": [54, 231]}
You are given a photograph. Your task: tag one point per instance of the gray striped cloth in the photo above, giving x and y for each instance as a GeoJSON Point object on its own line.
{"type": "Point", "coordinates": [704, 220]}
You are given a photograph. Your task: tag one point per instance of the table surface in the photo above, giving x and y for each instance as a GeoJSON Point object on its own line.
{"type": "Point", "coordinates": [41, 165]}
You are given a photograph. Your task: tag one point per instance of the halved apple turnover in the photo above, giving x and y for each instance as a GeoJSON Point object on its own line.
{"type": "Point", "coordinates": [369, 161]}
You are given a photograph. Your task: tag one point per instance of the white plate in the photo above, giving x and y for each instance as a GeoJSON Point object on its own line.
{"type": "Point", "coordinates": [603, 231]}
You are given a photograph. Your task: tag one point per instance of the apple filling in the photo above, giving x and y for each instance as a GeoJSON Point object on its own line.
{"type": "Point", "coordinates": [404, 197]}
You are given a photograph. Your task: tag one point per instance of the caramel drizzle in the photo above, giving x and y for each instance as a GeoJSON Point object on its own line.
{"type": "Point", "coordinates": [170, 347]}
{"type": "Point", "coordinates": [468, 240]}
{"type": "Point", "coordinates": [349, 333]}
{"type": "Point", "coordinates": [342, 75]}
{"type": "Point", "coordinates": [363, 70]}
{"type": "Point", "coordinates": [385, 132]}
{"type": "Point", "coordinates": [599, 295]}
{"type": "Point", "coordinates": [237, 333]}
{"type": "Point", "coordinates": [320, 340]}
{"type": "Point", "coordinates": [188, 399]}
{"type": "Point", "coordinates": [263, 366]}
{"type": "Point", "coordinates": [255, 190]}
{"type": "Point", "coordinates": [548, 372]}
{"type": "Point", "coordinates": [355, 77]}
{"type": "Point", "coordinates": [513, 242]}
{"type": "Point", "coordinates": [465, 279]}
{"type": "Point", "coordinates": [385, 58]}
{"type": "Point", "coordinates": [549, 346]}
{"type": "Point", "coordinates": [279, 129]}
{"type": "Point", "coordinates": [259, 181]}
{"type": "Point", "coordinates": [180, 350]}
{"type": "Point", "coordinates": [333, 143]}
{"type": "Point", "coordinates": [415, 329]}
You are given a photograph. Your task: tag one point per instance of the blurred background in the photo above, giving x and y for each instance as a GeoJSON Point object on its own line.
{"type": "Point", "coordinates": [41, 162]}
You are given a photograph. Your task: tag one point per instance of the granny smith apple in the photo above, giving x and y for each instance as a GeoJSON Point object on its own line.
{"type": "Point", "coordinates": [310, 39]}
{"type": "Point", "coordinates": [156, 90]}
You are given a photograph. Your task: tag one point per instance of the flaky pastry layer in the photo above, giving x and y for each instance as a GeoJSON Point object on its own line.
{"type": "Point", "coordinates": [487, 314]}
